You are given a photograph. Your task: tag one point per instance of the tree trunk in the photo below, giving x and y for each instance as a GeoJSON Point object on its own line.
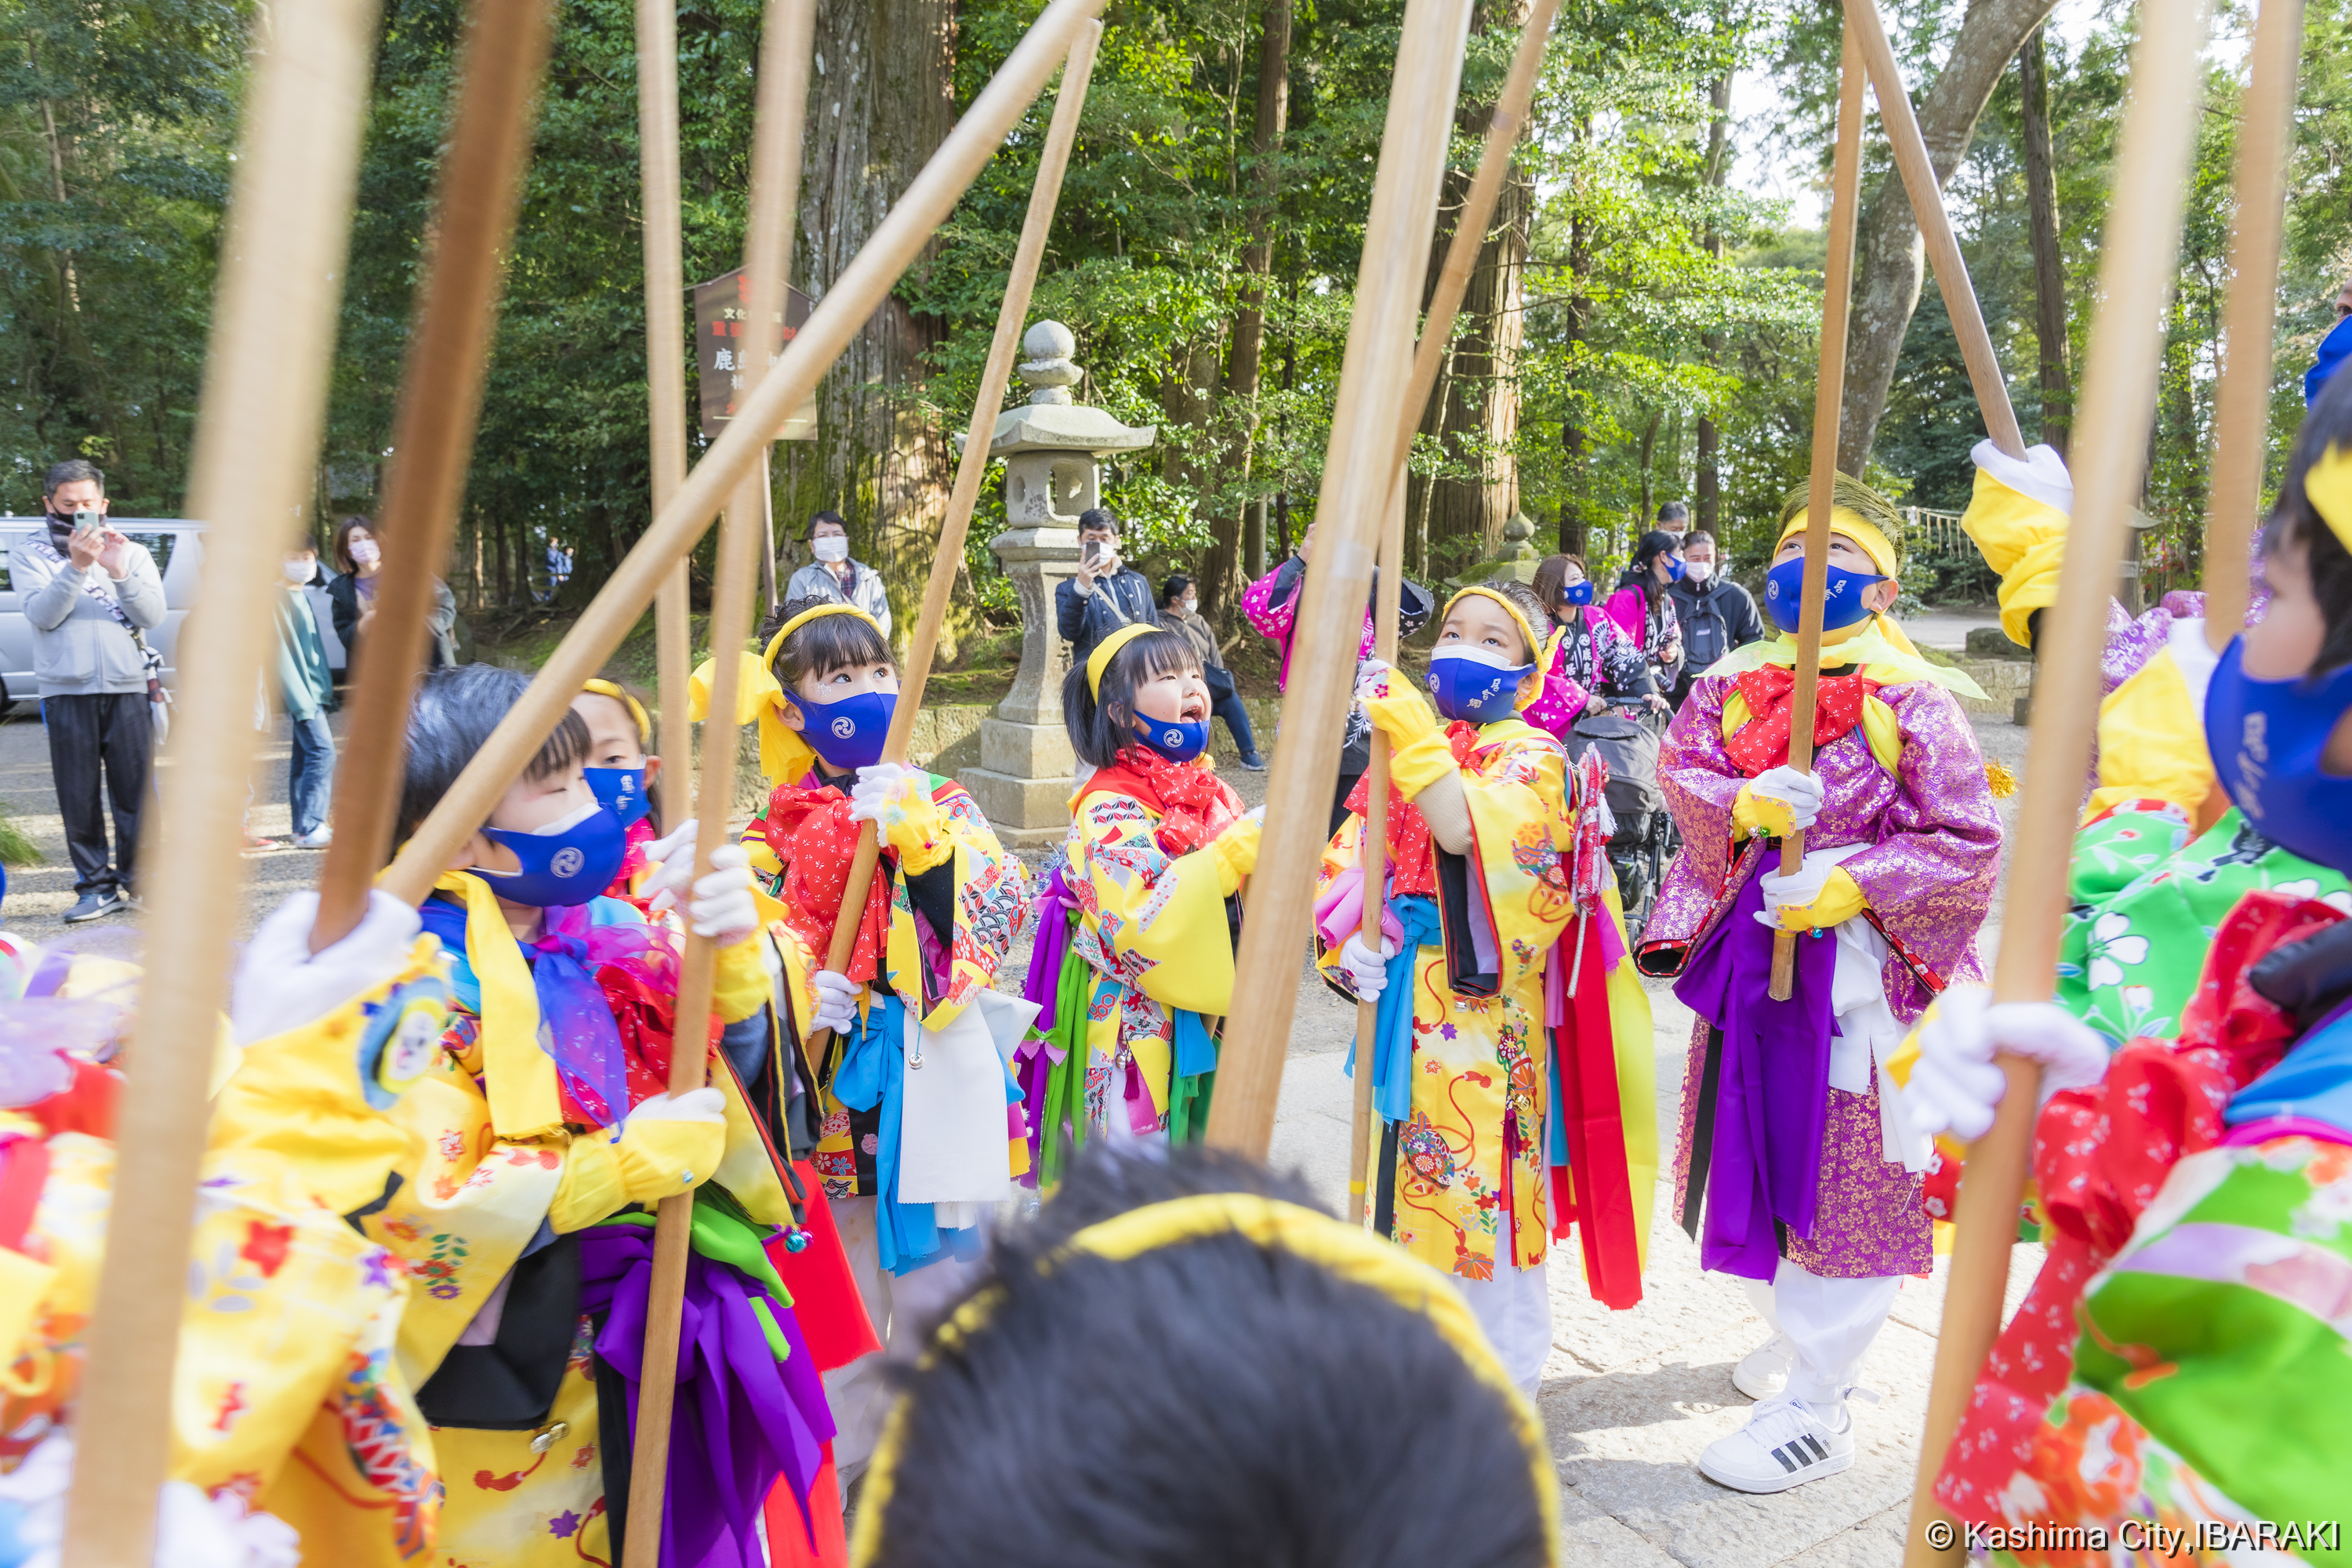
{"type": "Point", "coordinates": [1890, 256]}
{"type": "Point", "coordinates": [1576, 443]}
{"type": "Point", "coordinates": [1707, 494]}
{"type": "Point", "coordinates": [881, 101]}
{"type": "Point", "coordinates": [2049, 269]}
{"type": "Point", "coordinates": [1267, 128]}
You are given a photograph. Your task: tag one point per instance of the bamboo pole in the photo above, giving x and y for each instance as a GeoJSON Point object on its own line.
{"type": "Point", "coordinates": [665, 379]}
{"type": "Point", "coordinates": [862, 285]}
{"type": "Point", "coordinates": [2242, 402]}
{"type": "Point", "coordinates": [1503, 133]}
{"type": "Point", "coordinates": [2136, 270]}
{"type": "Point", "coordinates": [480, 184]}
{"type": "Point", "coordinates": [1829, 397]}
{"type": "Point", "coordinates": [1952, 269]}
{"type": "Point", "coordinates": [256, 455]}
{"type": "Point", "coordinates": [1356, 484]}
{"type": "Point", "coordinates": [787, 39]}
{"type": "Point", "coordinates": [1045, 195]}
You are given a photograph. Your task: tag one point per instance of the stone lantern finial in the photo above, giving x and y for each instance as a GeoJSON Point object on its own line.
{"type": "Point", "coordinates": [1048, 373]}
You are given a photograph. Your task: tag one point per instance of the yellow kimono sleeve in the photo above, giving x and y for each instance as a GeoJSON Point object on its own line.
{"type": "Point", "coordinates": [2023, 539]}
{"type": "Point", "coordinates": [649, 1162]}
{"type": "Point", "coordinates": [2152, 742]}
{"type": "Point", "coordinates": [1518, 793]}
{"type": "Point", "coordinates": [1162, 916]}
{"type": "Point", "coordinates": [740, 980]}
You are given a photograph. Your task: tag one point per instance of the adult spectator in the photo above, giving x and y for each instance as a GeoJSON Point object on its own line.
{"type": "Point", "coordinates": [307, 687]}
{"type": "Point", "coordinates": [1643, 611]}
{"type": "Point", "coordinates": [359, 558]}
{"type": "Point", "coordinates": [1105, 594]}
{"type": "Point", "coordinates": [559, 567]}
{"type": "Point", "coordinates": [91, 595]}
{"type": "Point", "coordinates": [834, 577]}
{"type": "Point", "coordinates": [1716, 614]}
{"type": "Point", "coordinates": [1179, 610]}
{"type": "Point", "coordinates": [1595, 656]}
{"type": "Point", "coordinates": [1674, 519]}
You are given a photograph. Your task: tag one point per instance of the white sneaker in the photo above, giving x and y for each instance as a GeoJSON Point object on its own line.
{"type": "Point", "coordinates": [1783, 1445]}
{"type": "Point", "coordinates": [1763, 1373]}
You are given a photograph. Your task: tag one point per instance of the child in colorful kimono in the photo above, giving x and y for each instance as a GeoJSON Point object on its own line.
{"type": "Point", "coordinates": [622, 770]}
{"type": "Point", "coordinates": [1135, 952]}
{"type": "Point", "coordinates": [1479, 898]}
{"type": "Point", "coordinates": [2179, 1361]}
{"type": "Point", "coordinates": [906, 1048]}
{"type": "Point", "coordinates": [545, 1137]}
{"type": "Point", "coordinates": [1792, 1152]}
{"type": "Point", "coordinates": [294, 1429]}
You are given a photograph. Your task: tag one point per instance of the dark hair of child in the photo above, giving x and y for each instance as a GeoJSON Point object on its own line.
{"type": "Point", "coordinates": [452, 717]}
{"type": "Point", "coordinates": [1524, 598]}
{"type": "Point", "coordinates": [2295, 521]}
{"type": "Point", "coordinates": [1651, 545]}
{"type": "Point", "coordinates": [1099, 728]}
{"type": "Point", "coordinates": [1207, 1401]}
{"type": "Point", "coordinates": [826, 644]}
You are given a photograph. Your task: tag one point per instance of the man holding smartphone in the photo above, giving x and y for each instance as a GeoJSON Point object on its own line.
{"type": "Point", "coordinates": [90, 594]}
{"type": "Point", "coordinates": [1105, 594]}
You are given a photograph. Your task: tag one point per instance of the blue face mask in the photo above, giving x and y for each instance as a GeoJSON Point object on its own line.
{"type": "Point", "coordinates": [622, 791]}
{"type": "Point", "coordinates": [1675, 567]}
{"type": "Point", "coordinates": [1579, 594]}
{"type": "Point", "coordinates": [1784, 592]}
{"type": "Point", "coordinates": [1173, 738]}
{"type": "Point", "coordinates": [566, 862]}
{"type": "Point", "coordinates": [2265, 737]}
{"type": "Point", "coordinates": [1473, 685]}
{"type": "Point", "coordinates": [2334, 349]}
{"type": "Point", "coordinates": [847, 734]}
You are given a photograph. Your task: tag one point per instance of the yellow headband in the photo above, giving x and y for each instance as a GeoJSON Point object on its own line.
{"type": "Point", "coordinates": [2327, 484]}
{"type": "Point", "coordinates": [1534, 643]}
{"type": "Point", "coordinates": [1854, 526]}
{"type": "Point", "coordinates": [768, 655]}
{"type": "Point", "coordinates": [603, 688]}
{"type": "Point", "coordinates": [1352, 1254]}
{"type": "Point", "coordinates": [1099, 661]}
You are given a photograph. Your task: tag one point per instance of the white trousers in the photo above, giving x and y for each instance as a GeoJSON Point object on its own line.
{"type": "Point", "coordinates": [904, 1309]}
{"type": "Point", "coordinates": [1514, 1309]}
{"type": "Point", "coordinates": [1831, 1322]}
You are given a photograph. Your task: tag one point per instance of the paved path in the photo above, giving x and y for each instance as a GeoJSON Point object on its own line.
{"type": "Point", "coordinates": [1629, 1398]}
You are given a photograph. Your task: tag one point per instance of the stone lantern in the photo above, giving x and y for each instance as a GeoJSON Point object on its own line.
{"type": "Point", "coordinates": [1052, 449]}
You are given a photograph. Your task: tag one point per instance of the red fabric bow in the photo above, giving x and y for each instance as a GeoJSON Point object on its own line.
{"type": "Point", "coordinates": [811, 833]}
{"type": "Point", "coordinates": [1770, 692]}
{"type": "Point", "coordinates": [1410, 859]}
{"type": "Point", "coordinates": [1194, 805]}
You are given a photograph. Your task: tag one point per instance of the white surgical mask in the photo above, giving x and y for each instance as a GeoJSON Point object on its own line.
{"type": "Point", "coordinates": [365, 552]}
{"type": "Point", "coordinates": [297, 572]}
{"type": "Point", "coordinates": [1699, 571]}
{"type": "Point", "coordinates": [832, 547]}
{"type": "Point", "coordinates": [1191, 606]}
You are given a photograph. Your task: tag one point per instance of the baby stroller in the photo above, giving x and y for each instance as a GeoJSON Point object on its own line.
{"type": "Point", "coordinates": [1645, 839]}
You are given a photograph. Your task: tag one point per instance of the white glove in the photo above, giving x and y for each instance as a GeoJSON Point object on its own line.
{"type": "Point", "coordinates": [836, 1001]}
{"type": "Point", "coordinates": [1957, 1085]}
{"type": "Point", "coordinates": [1800, 792]}
{"type": "Point", "coordinates": [661, 849]}
{"type": "Point", "coordinates": [281, 985]}
{"type": "Point", "coordinates": [704, 1104]}
{"type": "Point", "coordinates": [721, 907]}
{"type": "Point", "coordinates": [1797, 890]}
{"type": "Point", "coordinates": [2040, 474]}
{"type": "Point", "coordinates": [1368, 970]}
{"type": "Point", "coordinates": [1371, 678]}
{"type": "Point", "coordinates": [878, 784]}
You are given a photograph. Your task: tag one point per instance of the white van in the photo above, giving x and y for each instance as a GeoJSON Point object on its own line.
{"type": "Point", "coordinates": [178, 547]}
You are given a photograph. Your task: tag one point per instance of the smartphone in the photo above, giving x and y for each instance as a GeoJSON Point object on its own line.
{"type": "Point", "coordinates": [1094, 553]}
{"type": "Point", "coordinates": [88, 523]}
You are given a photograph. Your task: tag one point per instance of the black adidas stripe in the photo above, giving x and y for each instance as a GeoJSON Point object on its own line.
{"type": "Point", "coordinates": [1787, 1464]}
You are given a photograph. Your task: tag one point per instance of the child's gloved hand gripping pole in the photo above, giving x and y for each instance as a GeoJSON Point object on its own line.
{"type": "Point", "coordinates": [2143, 236]}
{"type": "Point", "coordinates": [1428, 357]}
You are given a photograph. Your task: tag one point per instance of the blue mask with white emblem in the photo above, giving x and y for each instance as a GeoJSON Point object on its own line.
{"type": "Point", "coordinates": [1784, 594]}
{"type": "Point", "coordinates": [1173, 738]}
{"type": "Point", "coordinates": [847, 734]}
{"type": "Point", "coordinates": [567, 862]}
{"type": "Point", "coordinates": [622, 791]}
{"type": "Point", "coordinates": [1475, 686]}
{"type": "Point", "coordinates": [2266, 738]}
{"type": "Point", "coordinates": [1579, 593]}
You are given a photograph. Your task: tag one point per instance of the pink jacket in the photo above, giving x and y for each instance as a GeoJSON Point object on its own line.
{"type": "Point", "coordinates": [1274, 621]}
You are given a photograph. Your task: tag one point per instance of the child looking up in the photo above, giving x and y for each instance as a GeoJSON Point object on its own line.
{"type": "Point", "coordinates": [622, 770]}
{"type": "Point", "coordinates": [1135, 947]}
{"type": "Point", "coordinates": [543, 1138]}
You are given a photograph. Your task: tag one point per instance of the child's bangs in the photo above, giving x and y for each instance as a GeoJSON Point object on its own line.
{"type": "Point", "coordinates": [1158, 655]}
{"type": "Point", "coordinates": [566, 749]}
{"type": "Point", "coordinates": [830, 643]}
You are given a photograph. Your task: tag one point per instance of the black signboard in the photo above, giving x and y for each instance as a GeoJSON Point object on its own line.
{"type": "Point", "coordinates": [721, 320]}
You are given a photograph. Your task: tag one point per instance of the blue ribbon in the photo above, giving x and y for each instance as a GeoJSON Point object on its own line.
{"type": "Point", "coordinates": [1195, 1052]}
{"type": "Point", "coordinates": [873, 1072]}
{"type": "Point", "coordinates": [1392, 1059]}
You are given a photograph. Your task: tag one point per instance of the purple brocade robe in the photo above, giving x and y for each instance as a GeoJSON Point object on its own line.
{"type": "Point", "coordinates": [1930, 877]}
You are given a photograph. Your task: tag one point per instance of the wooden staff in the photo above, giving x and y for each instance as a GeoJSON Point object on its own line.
{"type": "Point", "coordinates": [1902, 124]}
{"type": "Point", "coordinates": [665, 379]}
{"type": "Point", "coordinates": [2136, 270]}
{"type": "Point", "coordinates": [1045, 194]}
{"type": "Point", "coordinates": [480, 184]}
{"type": "Point", "coordinates": [1828, 394]}
{"type": "Point", "coordinates": [1356, 486]}
{"type": "Point", "coordinates": [254, 466]}
{"type": "Point", "coordinates": [2242, 402]}
{"type": "Point", "coordinates": [837, 318]}
{"type": "Point", "coordinates": [1428, 357]}
{"type": "Point", "coordinates": [787, 39]}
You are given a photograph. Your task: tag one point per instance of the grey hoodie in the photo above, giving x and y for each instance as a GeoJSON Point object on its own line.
{"type": "Point", "coordinates": [79, 649]}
